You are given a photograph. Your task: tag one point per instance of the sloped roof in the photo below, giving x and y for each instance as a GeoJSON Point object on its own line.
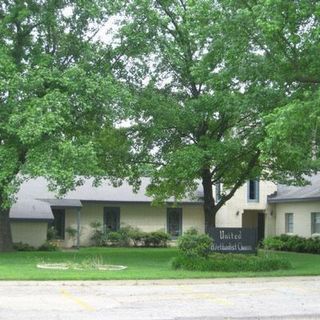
{"type": "Point", "coordinates": [66, 203]}
{"type": "Point", "coordinates": [106, 192]}
{"type": "Point", "coordinates": [31, 209]}
{"type": "Point", "coordinates": [308, 192]}
{"type": "Point", "coordinates": [34, 200]}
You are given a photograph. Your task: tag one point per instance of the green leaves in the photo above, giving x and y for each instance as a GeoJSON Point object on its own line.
{"type": "Point", "coordinates": [186, 87]}
{"type": "Point", "coordinates": [292, 145]}
{"type": "Point", "coordinates": [55, 93]}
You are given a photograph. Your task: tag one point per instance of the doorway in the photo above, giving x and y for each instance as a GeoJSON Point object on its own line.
{"type": "Point", "coordinates": [254, 219]}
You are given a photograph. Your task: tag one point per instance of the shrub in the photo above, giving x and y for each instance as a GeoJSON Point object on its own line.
{"type": "Point", "coordinates": [118, 238]}
{"type": "Point", "coordinates": [293, 243]}
{"type": "Point", "coordinates": [156, 239]}
{"type": "Point", "coordinates": [51, 234]}
{"type": "Point", "coordinates": [72, 232]}
{"type": "Point", "coordinates": [48, 246]}
{"type": "Point", "coordinates": [19, 246]}
{"type": "Point", "coordinates": [113, 238]}
{"type": "Point", "coordinates": [98, 236]}
{"type": "Point", "coordinates": [136, 236]}
{"type": "Point", "coordinates": [192, 263]}
{"type": "Point", "coordinates": [230, 263]}
{"type": "Point", "coordinates": [273, 243]}
{"type": "Point", "coordinates": [124, 233]}
{"type": "Point", "coordinates": [193, 244]}
{"type": "Point", "coordinates": [127, 236]}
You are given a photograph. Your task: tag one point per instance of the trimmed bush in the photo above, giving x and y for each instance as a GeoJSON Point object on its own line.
{"type": "Point", "coordinates": [48, 246]}
{"type": "Point", "coordinates": [156, 239]}
{"type": "Point", "coordinates": [137, 237]}
{"type": "Point", "coordinates": [20, 246]}
{"type": "Point", "coordinates": [51, 234]}
{"type": "Point", "coordinates": [292, 243]}
{"type": "Point", "coordinates": [113, 238]}
{"type": "Point", "coordinates": [230, 263]}
{"type": "Point", "coordinates": [273, 243]}
{"type": "Point", "coordinates": [193, 244]}
{"type": "Point", "coordinates": [127, 236]}
{"type": "Point", "coordinates": [98, 236]}
{"type": "Point", "coordinates": [118, 238]}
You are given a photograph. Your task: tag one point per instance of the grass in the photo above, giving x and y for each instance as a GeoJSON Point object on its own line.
{"type": "Point", "coordinates": [142, 263]}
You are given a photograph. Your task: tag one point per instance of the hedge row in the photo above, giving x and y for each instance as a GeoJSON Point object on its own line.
{"type": "Point", "coordinates": [128, 236]}
{"type": "Point", "coordinates": [292, 243]}
{"type": "Point", "coordinates": [47, 246]}
{"type": "Point", "coordinates": [231, 263]}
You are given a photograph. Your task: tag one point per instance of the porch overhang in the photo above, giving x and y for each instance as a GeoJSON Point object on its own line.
{"type": "Point", "coordinates": [63, 203]}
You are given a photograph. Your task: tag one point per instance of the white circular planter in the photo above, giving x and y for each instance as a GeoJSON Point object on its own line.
{"type": "Point", "coordinates": [66, 266]}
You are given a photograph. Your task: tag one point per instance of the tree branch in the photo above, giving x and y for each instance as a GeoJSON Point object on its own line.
{"type": "Point", "coordinates": [239, 183]}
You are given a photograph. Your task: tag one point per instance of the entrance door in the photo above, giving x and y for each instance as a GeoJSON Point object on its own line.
{"type": "Point", "coordinates": [111, 218]}
{"type": "Point", "coordinates": [261, 225]}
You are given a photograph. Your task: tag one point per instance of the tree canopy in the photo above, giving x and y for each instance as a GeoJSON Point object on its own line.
{"type": "Point", "coordinates": [200, 96]}
{"type": "Point", "coordinates": [54, 91]}
{"type": "Point", "coordinates": [187, 91]}
{"type": "Point", "coordinates": [287, 33]}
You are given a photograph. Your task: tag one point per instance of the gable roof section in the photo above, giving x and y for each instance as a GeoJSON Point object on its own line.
{"type": "Point", "coordinates": [310, 192]}
{"type": "Point", "coordinates": [34, 200]}
{"type": "Point", "coordinates": [106, 192]}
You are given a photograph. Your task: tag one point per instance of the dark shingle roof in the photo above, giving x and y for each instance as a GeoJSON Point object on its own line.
{"type": "Point", "coordinates": [34, 200]}
{"type": "Point", "coordinates": [106, 192]}
{"type": "Point", "coordinates": [31, 209]}
{"type": "Point", "coordinates": [65, 203]}
{"type": "Point", "coordinates": [308, 192]}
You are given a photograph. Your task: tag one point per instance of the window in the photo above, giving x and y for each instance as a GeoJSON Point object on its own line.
{"type": "Point", "coordinates": [315, 222]}
{"type": "Point", "coordinates": [174, 222]}
{"type": "Point", "coordinates": [218, 192]}
{"type": "Point", "coordinates": [58, 223]}
{"type": "Point", "coordinates": [289, 222]}
{"type": "Point", "coordinates": [253, 190]}
{"type": "Point", "coordinates": [111, 218]}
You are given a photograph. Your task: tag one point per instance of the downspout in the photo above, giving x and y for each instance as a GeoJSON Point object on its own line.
{"type": "Point", "coordinates": [78, 227]}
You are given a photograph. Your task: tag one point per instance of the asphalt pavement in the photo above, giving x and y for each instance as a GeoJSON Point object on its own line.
{"type": "Point", "coordinates": [257, 298]}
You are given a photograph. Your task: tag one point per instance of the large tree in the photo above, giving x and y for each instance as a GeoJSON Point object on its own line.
{"type": "Point", "coordinates": [55, 93]}
{"type": "Point", "coordinates": [287, 34]}
{"type": "Point", "coordinates": [200, 97]}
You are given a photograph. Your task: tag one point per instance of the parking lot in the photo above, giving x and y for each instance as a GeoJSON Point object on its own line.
{"type": "Point", "coordinates": [263, 298]}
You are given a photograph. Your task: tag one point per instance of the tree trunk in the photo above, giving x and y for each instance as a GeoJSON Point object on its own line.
{"type": "Point", "coordinates": [5, 231]}
{"type": "Point", "coordinates": [209, 203]}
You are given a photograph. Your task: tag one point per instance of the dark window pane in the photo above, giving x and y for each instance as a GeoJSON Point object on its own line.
{"type": "Point", "coordinates": [253, 190]}
{"type": "Point", "coordinates": [58, 223]}
{"type": "Point", "coordinates": [174, 221]}
{"type": "Point", "coordinates": [112, 218]}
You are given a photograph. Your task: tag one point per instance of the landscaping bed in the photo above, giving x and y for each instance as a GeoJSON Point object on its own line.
{"type": "Point", "coordinates": [232, 263]}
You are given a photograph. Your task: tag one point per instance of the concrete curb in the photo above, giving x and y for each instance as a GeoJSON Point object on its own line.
{"type": "Point", "coordinates": [164, 282]}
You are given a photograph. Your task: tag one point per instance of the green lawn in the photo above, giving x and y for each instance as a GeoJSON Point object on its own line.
{"type": "Point", "coordinates": [142, 264]}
